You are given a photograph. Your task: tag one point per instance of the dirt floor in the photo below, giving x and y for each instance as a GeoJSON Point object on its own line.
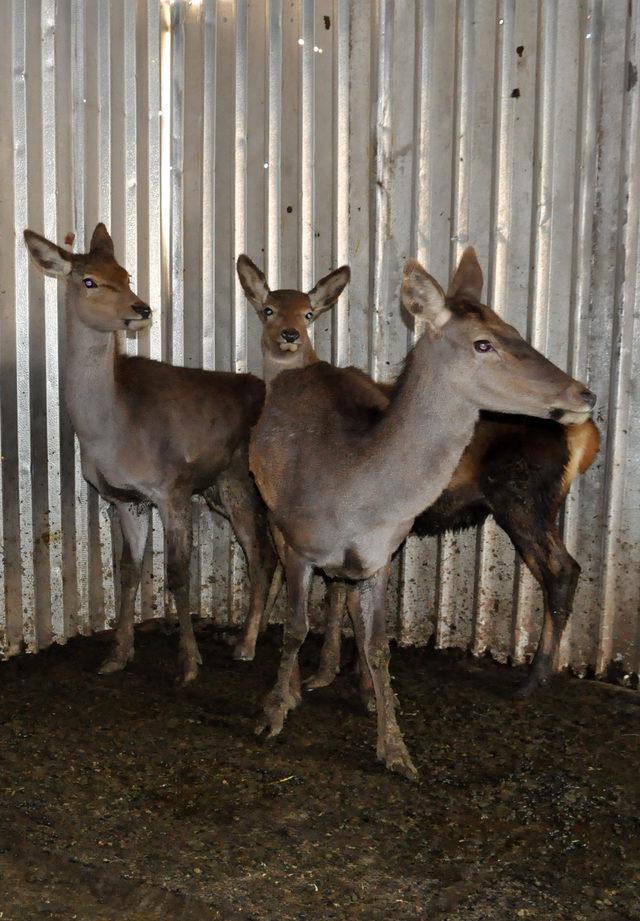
{"type": "Point", "coordinates": [125, 798]}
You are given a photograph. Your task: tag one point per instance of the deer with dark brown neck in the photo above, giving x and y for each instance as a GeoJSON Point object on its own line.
{"type": "Point", "coordinates": [343, 481]}
{"type": "Point", "coordinates": [154, 434]}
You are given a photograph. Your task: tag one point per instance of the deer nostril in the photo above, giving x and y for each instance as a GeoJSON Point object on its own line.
{"type": "Point", "coordinates": [142, 309]}
{"type": "Point", "coordinates": [589, 397]}
{"type": "Point", "coordinates": [290, 335]}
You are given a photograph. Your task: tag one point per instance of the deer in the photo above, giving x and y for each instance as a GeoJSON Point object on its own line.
{"type": "Point", "coordinates": [517, 469]}
{"type": "Point", "coordinates": [153, 434]}
{"type": "Point", "coordinates": [344, 482]}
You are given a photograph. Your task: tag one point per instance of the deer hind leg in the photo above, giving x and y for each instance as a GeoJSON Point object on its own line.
{"type": "Point", "coordinates": [178, 530]}
{"type": "Point", "coordinates": [244, 508]}
{"type": "Point", "coordinates": [557, 573]}
{"type": "Point", "coordinates": [330, 654]}
{"type": "Point", "coordinates": [284, 696]}
{"type": "Point", "coordinates": [365, 679]}
{"type": "Point", "coordinates": [371, 615]}
{"type": "Point", "coordinates": [134, 522]}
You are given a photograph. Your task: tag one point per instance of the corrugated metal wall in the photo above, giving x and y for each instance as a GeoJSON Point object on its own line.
{"type": "Point", "coordinates": [310, 133]}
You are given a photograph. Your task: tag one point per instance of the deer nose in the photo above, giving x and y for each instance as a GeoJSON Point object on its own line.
{"type": "Point", "coordinates": [290, 335]}
{"type": "Point", "coordinates": [589, 397]}
{"type": "Point", "coordinates": [142, 310]}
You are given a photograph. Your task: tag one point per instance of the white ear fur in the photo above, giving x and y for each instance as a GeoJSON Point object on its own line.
{"type": "Point", "coordinates": [422, 296]}
{"type": "Point", "coordinates": [254, 284]}
{"type": "Point", "coordinates": [327, 291]}
{"type": "Point", "coordinates": [49, 258]}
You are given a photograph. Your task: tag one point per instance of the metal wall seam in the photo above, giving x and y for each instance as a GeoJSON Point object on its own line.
{"type": "Point", "coordinates": [22, 269]}
{"type": "Point", "coordinates": [78, 168]}
{"type": "Point", "coordinates": [208, 268]}
{"type": "Point", "coordinates": [208, 187]}
{"type": "Point", "coordinates": [130, 177]}
{"type": "Point", "coordinates": [361, 152]}
{"type": "Point", "coordinates": [401, 234]}
{"type": "Point", "coordinates": [494, 592]}
{"type": "Point", "coordinates": [341, 39]}
{"type": "Point", "coordinates": [618, 634]}
{"type": "Point", "coordinates": [378, 344]}
{"type": "Point", "coordinates": [154, 281]}
{"type": "Point", "coordinates": [274, 143]}
{"type": "Point", "coordinates": [239, 306]}
{"type": "Point", "coordinates": [418, 575]}
{"type": "Point", "coordinates": [104, 212]}
{"type": "Point", "coordinates": [576, 512]}
{"type": "Point", "coordinates": [307, 178]}
{"type": "Point", "coordinates": [240, 188]}
{"type": "Point", "coordinates": [176, 268]}
{"type": "Point", "coordinates": [50, 210]}
{"type": "Point", "coordinates": [450, 605]}
{"type": "Point", "coordinates": [540, 259]}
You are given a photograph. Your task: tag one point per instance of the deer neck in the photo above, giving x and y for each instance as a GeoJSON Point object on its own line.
{"type": "Point", "coordinates": [90, 376]}
{"type": "Point", "coordinates": [419, 441]}
{"type": "Point", "coordinates": [275, 361]}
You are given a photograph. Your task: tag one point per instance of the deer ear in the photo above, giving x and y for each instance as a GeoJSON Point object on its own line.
{"type": "Point", "coordinates": [327, 291]}
{"type": "Point", "coordinates": [422, 296]}
{"type": "Point", "coordinates": [101, 240]}
{"type": "Point", "coordinates": [254, 284]}
{"type": "Point", "coordinates": [50, 258]}
{"type": "Point", "coordinates": [468, 280]}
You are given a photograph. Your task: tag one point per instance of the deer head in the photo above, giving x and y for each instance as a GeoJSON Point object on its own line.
{"type": "Point", "coordinates": [286, 315]}
{"type": "Point", "coordinates": [498, 369]}
{"type": "Point", "coordinates": [102, 297]}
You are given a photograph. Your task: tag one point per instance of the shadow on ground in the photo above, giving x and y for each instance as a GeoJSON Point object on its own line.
{"type": "Point", "coordinates": [125, 798]}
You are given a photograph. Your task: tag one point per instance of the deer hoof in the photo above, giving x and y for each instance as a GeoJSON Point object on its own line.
{"type": "Point", "coordinates": [396, 758]}
{"type": "Point", "coordinates": [394, 754]}
{"type": "Point", "coordinates": [275, 712]}
{"type": "Point", "coordinates": [321, 679]}
{"type": "Point", "coordinates": [530, 686]}
{"type": "Point", "coordinates": [188, 670]}
{"type": "Point", "coordinates": [244, 652]}
{"type": "Point", "coordinates": [115, 662]}
{"type": "Point", "coordinates": [368, 699]}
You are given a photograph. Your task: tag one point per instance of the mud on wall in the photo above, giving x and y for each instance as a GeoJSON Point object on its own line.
{"type": "Point", "coordinates": [310, 134]}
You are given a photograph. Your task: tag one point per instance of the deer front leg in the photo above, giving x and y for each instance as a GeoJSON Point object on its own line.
{"type": "Point", "coordinates": [178, 530]}
{"type": "Point", "coordinates": [134, 522]}
{"type": "Point", "coordinates": [391, 748]}
{"type": "Point", "coordinates": [330, 654]}
{"type": "Point", "coordinates": [244, 508]}
{"type": "Point", "coordinates": [284, 696]}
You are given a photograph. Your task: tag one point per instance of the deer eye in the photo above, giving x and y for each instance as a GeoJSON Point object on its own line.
{"type": "Point", "coordinates": [308, 316]}
{"type": "Point", "coordinates": [482, 345]}
{"type": "Point", "coordinates": [268, 311]}
{"type": "Point", "coordinates": [89, 283]}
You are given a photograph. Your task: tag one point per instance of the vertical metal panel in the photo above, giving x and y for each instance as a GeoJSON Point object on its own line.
{"type": "Point", "coordinates": [22, 318]}
{"type": "Point", "coordinates": [312, 133]}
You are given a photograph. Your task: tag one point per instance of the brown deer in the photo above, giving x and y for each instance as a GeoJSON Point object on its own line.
{"type": "Point", "coordinates": [516, 468]}
{"type": "Point", "coordinates": [344, 482]}
{"type": "Point", "coordinates": [286, 316]}
{"type": "Point", "coordinates": [154, 434]}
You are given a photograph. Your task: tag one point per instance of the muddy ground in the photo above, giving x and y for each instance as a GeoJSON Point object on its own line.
{"type": "Point", "coordinates": [125, 798]}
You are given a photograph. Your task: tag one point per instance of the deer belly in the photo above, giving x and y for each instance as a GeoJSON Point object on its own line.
{"type": "Point", "coordinates": [358, 557]}
{"type": "Point", "coordinates": [109, 484]}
